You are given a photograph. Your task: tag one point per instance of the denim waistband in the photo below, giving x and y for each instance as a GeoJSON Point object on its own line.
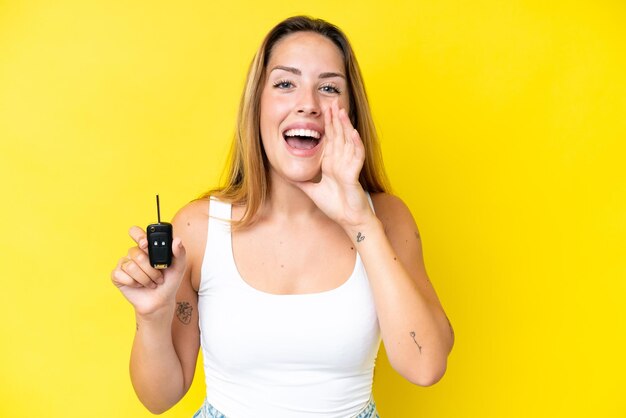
{"type": "Point", "coordinates": [208, 411]}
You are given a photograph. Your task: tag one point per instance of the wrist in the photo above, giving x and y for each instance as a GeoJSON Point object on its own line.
{"type": "Point", "coordinates": [358, 232]}
{"type": "Point", "coordinates": [156, 317]}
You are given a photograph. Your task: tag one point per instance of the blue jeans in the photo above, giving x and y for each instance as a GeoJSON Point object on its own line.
{"type": "Point", "coordinates": [208, 411]}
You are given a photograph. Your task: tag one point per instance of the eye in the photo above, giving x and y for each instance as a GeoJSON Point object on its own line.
{"type": "Point", "coordinates": [330, 88]}
{"type": "Point", "coordinates": [282, 84]}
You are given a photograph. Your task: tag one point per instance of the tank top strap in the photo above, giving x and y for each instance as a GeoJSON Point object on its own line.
{"type": "Point", "coordinates": [219, 210]}
{"type": "Point", "coordinates": [217, 243]}
{"type": "Point", "coordinates": [219, 224]}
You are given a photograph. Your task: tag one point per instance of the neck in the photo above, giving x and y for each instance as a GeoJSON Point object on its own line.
{"type": "Point", "coordinates": [287, 201]}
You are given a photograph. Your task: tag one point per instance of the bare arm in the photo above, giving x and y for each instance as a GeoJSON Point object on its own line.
{"type": "Point", "coordinates": [167, 339]}
{"type": "Point", "coordinates": [165, 351]}
{"type": "Point", "coordinates": [417, 334]}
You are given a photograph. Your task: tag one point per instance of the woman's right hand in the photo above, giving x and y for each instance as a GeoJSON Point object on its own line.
{"type": "Point", "coordinates": [149, 290]}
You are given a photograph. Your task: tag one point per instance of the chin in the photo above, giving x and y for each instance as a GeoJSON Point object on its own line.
{"type": "Point", "coordinates": [302, 175]}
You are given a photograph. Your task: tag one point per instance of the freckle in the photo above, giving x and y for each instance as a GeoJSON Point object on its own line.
{"type": "Point", "coordinates": [282, 266]}
{"type": "Point", "coordinates": [352, 248]}
{"type": "Point", "coordinates": [188, 224]}
{"type": "Point", "coordinates": [395, 258]}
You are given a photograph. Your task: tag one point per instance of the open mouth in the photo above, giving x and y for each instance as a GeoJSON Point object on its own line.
{"type": "Point", "coordinates": [303, 139]}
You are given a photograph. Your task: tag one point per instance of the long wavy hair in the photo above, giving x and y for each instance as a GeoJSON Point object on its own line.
{"type": "Point", "coordinates": [248, 180]}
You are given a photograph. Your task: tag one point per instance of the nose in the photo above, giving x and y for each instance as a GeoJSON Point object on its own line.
{"type": "Point", "coordinates": [308, 104]}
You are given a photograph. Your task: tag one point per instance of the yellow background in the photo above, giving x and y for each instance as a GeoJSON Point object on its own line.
{"type": "Point", "coordinates": [503, 128]}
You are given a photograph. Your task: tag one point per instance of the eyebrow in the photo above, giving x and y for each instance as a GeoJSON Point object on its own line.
{"type": "Point", "coordinates": [296, 71]}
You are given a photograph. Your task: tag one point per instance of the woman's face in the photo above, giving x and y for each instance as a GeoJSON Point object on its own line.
{"type": "Point", "coordinates": [305, 74]}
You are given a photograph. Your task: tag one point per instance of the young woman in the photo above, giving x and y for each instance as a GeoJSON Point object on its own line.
{"type": "Point", "coordinates": [289, 276]}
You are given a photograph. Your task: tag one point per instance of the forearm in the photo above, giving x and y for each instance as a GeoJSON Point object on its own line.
{"type": "Point", "coordinates": [155, 368]}
{"type": "Point", "coordinates": [414, 328]}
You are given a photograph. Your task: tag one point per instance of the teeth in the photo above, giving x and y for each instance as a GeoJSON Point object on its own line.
{"type": "Point", "coordinates": [303, 132]}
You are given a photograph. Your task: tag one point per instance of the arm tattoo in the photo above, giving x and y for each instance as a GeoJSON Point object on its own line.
{"type": "Point", "coordinates": [183, 312]}
{"type": "Point", "coordinates": [418, 346]}
{"type": "Point", "coordinates": [359, 237]}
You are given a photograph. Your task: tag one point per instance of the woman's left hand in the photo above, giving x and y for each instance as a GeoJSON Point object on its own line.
{"type": "Point", "coordinates": [339, 194]}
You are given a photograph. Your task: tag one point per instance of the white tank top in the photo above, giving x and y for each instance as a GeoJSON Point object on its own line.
{"type": "Point", "coordinates": [282, 356]}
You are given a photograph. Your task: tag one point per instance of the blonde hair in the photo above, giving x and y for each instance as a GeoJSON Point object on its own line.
{"type": "Point", "coordinates": [248, 181]}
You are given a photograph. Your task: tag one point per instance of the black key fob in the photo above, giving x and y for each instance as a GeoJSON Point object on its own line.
{"type": "Point", "coordinates": [160, 242]}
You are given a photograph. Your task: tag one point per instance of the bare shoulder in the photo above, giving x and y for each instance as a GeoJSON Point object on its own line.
{"type": "Point", "coordinates": [403, 234]}
{"type": "Point", "coordinates": [190, 217]}
{"type": "Point", "coordinates": [393, 212]}
{"type": "Point", "coordinates": [194, 211]}
{"type": "Point", "coordinates": [190, 224]}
